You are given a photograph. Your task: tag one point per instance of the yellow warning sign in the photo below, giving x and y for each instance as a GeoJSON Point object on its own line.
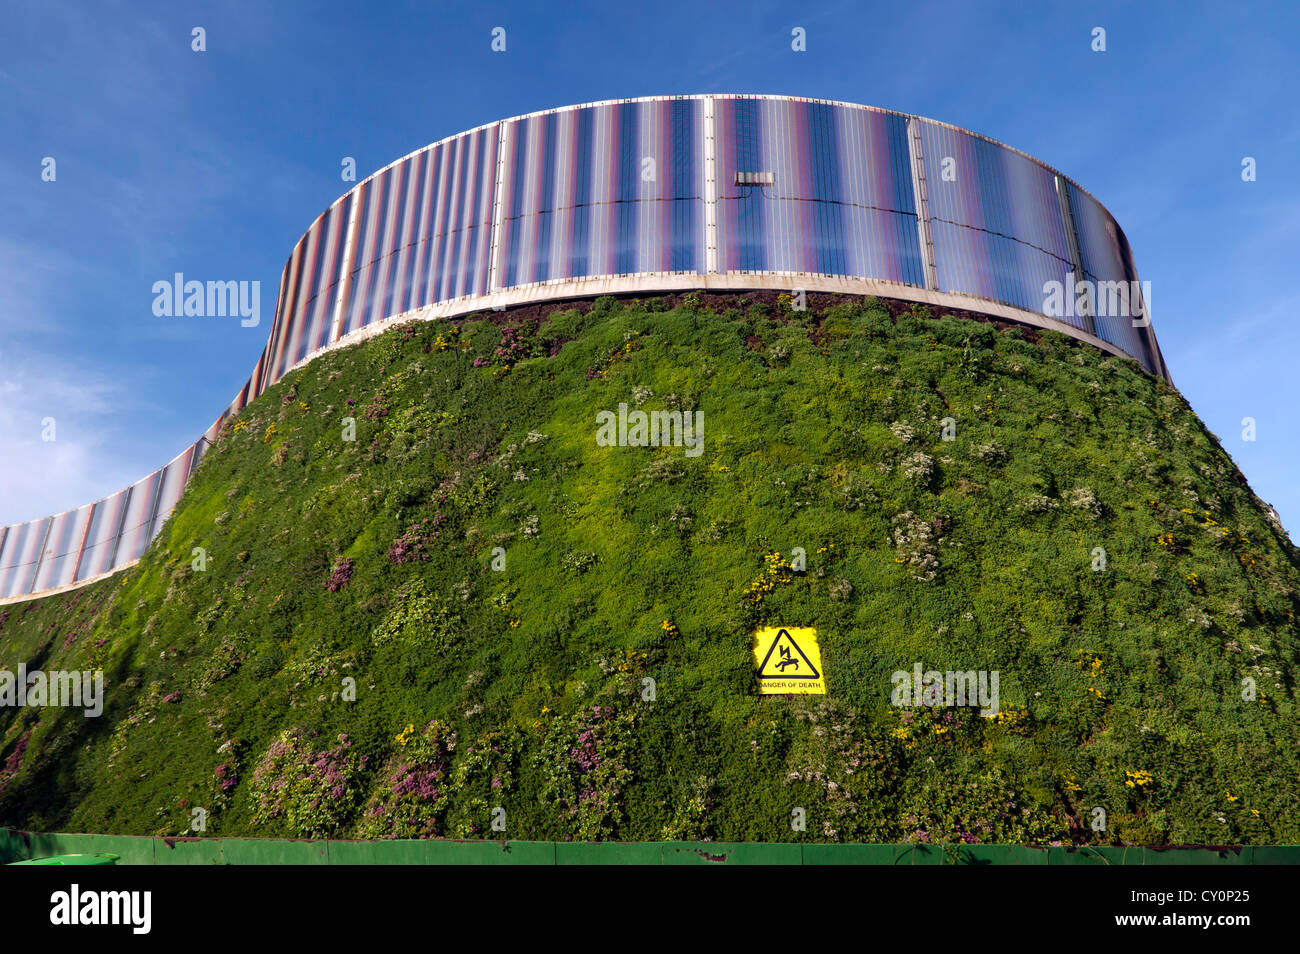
{"type": "Point", "coordinates": [789, 661]}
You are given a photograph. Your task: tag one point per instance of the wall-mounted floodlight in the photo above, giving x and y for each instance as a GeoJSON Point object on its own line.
{"type": "Point", "coordinates": [755, 178]}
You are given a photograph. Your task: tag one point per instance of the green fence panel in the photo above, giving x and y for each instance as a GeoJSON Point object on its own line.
{"type": "Point", "coordinates": [250, 851]}
{"type": "Point", "coordinates": [1275, 855]}
{"type": "Point", "coordinates": [1107, 855]}
{"type": "Point", "coordinates": [609, 853]}
{"type": "Point", "coordinates": [135, 850]}
{"type": "Point", "coordinates": [435, 852]}
{"type": "Point", "coordinates": [130, 850]}
{"type": "Point", "coordinates": [187, 851]}
{"type": "Point", "coordinates": [856, 854]}
{"type": "Point", "coordinates": [732, 853]}
{"type": "Point", "coordinates": [922, 855]}
{"type": "Point", "coordinates": [13, 847]}
{"type": "Point", "coordinates": [1000, 855]}
{"type": "Point", "coordinates": [1196, 856]}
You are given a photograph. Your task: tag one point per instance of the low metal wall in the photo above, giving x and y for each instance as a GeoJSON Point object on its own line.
{"type": "Point", "coordinates": [133, 850]}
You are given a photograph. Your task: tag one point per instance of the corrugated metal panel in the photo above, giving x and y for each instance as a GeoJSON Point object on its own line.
{"type": "Point", "coordinates": [841, 202]}
{"type": "Point", "coordinates": [311, 282]}
{"type": "Point", "coordinates": [172, 486]}
{"type": "Point", "coordinates": [1107, 258]}
{"type": "Point", "coordinates": [62, 544]}
{"type": "Point", "coordinates": [22, 547]}
{"type": "Point", "coordinates": [98, 553]}
{"type": "Point", "coordinates": [602, 190]}
{"type": "Point", "coordinates": [139, 519]}
{"type": "Point", "coordinates": [994, 217]}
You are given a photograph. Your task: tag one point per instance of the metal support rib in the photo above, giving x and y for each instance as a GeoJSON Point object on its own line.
{"type": "Point", "coordinates": [1076, 258]}
{"type": "Point", "coordinates": [921, 195]}
{"type": "Point", "coordinates": [40, 555]}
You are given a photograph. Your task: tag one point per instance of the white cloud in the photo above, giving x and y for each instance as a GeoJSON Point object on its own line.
{"type": "Point", "coordinates": [86, 459]}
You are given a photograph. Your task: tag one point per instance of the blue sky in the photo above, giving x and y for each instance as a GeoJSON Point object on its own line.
{"type": "Point", "coordinates": [214, 163]}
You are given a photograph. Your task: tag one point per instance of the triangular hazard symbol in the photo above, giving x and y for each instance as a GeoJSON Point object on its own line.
{"type": "Point", "coordinates": [790, 663]}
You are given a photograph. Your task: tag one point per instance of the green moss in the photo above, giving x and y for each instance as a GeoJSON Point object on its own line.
{"type": "Point", "coordinates": [574, 626]}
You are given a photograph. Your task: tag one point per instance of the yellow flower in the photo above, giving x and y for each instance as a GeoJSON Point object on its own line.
{"type": "Point", "coordinates": [1140, 780]}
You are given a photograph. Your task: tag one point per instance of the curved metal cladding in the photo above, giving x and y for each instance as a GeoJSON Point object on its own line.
{"type": "Point", "coordinates": [994, 219]}
{"type": "Point", "coordinates": [842, 200]}
{"type": "Point", "coordinates": [613, 189]}
{"type": "Point", "coordinates": [1105, 256]}
{"type": "Point", "coordinates": [667, 193]}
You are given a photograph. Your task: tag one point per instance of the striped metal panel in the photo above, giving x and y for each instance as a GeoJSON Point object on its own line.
{"type": "Point", "coordinates": [1105, 254]}
{"type": "Point", "coordinates": [424, 231]}
{"type": "Point", "coordinates": [994, 219]}
{"type": "Point", "coordinates": [22, 548]}
{"type": "Point", "coordinates": [62, 546]}
{"type": "Point", "coordinates": [138, 524]}
{"type": "Point", "coordinates": [172, 485]}
{"type": "Point", "coordinates": [303, 318]}
{"type": "Point", "coordinates": [602, 190]}
{"type": "Point", "coordinates": [97, 556]}
{"type": "Point", "coordinates": [841, 202]}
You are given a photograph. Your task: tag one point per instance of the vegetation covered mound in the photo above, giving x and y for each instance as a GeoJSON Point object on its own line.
{"type": "Point", "coordinates": [408, 593]}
